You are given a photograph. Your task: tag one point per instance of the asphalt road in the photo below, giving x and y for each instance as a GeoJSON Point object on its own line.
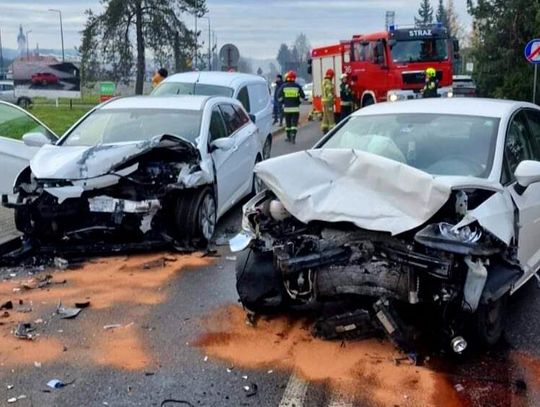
{"type": "Point", "coordinates": [182, 336]}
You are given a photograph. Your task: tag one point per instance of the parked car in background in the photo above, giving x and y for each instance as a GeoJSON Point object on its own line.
{"type": "Point", "coordinates": [45, 78]}
{"type": "Point", "coordinates": [7, 94]}
{"type": "Point", "coordinates": [139, 169]}
{"type": "Point", "coordinates": [251, 90]}
{"type": "Point", "coordinates": [428, 205]}
{"type": "Point", "coordinates": [308, 91]}
{"type": "Point", "coordinates": [15, 123]}
{"type": "Point", "coordinates": [463, 86]}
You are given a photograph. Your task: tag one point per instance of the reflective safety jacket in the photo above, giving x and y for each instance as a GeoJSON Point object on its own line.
{"type": "Point", "coordinates": [328, 91]}
{"type": "Point", "coordinates": [430, 88]}
{"type": "Point", "coordinates": [346, 94]}
{"type": "Point", "coordinates": [291, 95]}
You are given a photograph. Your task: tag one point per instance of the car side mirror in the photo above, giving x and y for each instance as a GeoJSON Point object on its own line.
{"type": "Point", "coordinates": [35, 139]}
{"type": "Point", "coordinates": [253, 118]}
{"type": "Point", "coordinates": [225, 144]}
{"type": "Point", "coordinates": [527, 173]}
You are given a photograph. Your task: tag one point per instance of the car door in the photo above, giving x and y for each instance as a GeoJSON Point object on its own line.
{"type": "Point", "coordinates": [6, 92]}
{"type": "Point", "coordinates": [520, 145]}
{"type": "Point", "coordinates": [224, 164]}
{"type": "Point", "coordinates": [245, 143]}
{"type": "Point", "coordinates": [14, 154]}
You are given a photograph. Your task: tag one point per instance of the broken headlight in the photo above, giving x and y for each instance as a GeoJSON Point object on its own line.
{"type": "Point", "coordinates": [446, 237]}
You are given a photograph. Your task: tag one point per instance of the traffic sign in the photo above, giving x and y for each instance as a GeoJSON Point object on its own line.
{"type": "Point", "coordinates": [532, 54]}
{"type": "Point", "coordinates": [229, 56]}
{"type": "Point", "coordinates": [532, 51]}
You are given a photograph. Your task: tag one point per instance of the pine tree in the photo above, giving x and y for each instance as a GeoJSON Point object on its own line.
{"type": "Point", "coordinates": [425, 13]}
{"type": "Point", "coordinates": [441, 14]}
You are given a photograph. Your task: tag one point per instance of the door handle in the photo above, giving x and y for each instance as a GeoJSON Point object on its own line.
{"type": "Point", "coordinates": [235, 148]}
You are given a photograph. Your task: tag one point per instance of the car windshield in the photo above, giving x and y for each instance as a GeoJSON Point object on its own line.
{"type": "Point", "coordinates": [181, 88]}
{"type": "Point", "coordinates": [109, 126]}
{"type": "Point", "coordinates": [434, 143]}
{"type": "Point", "coordinates": [430, 49]}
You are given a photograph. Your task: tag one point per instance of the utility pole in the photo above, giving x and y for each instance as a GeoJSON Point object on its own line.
{"type": "Point", "coordinates": [196, 44]}
{"type": "Point", "coordinates": [209, 42]}
{"type": "Point", "coordinates": [61, 30]}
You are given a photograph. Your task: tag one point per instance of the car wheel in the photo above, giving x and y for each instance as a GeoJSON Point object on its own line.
{"type": "Point", "coordinates": [267, 148]}
{"type": "Point", "coordinates": [24, 103]}
{"type": "Point", "coordinates": [489, 321]}
{"type": "Point", "coordinates": [195, 216]}
{"type": "Point", "coordinates": [258, 283]}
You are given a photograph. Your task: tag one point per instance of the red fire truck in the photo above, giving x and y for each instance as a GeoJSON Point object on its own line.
{"type": "Point", "coordinates": [388, 65]}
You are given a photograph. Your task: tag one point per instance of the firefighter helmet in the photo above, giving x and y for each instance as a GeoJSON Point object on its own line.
{"type": "Point", "coordinates": [330, 73]}
{"type": "Point", "coordinates": [290, 76]}
{"type": "Point", "coordinates": [431, 73]}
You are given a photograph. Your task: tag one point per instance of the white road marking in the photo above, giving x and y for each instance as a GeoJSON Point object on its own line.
{"type": "Point", "coordinates": [295, 392]}
{"type": "Point", "coordinates": [336, 402]}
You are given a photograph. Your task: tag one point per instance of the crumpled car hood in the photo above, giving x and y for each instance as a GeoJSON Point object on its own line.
{"type": "Point", "coordinates": [373, 192]}
{"type": "Point", "coordinates": [82, 162]}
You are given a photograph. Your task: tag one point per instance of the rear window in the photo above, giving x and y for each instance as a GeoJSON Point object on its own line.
{"type": "Point", "coordinates": [182, 88]}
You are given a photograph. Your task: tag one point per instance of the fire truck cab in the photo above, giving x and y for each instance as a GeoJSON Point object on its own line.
{"type": "Point", "coordinates": [388, 65]}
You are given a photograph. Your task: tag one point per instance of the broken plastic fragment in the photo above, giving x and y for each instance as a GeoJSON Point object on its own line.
{"type": "Point", "coordinates": [112, 326]}
{"type": "Point", "coordinates": [55, 384]}
{"type": "Point", "coordinates": [24, 331]}
{"type": "Point", "coordinates": [67, 312]}
{"type": "Point", "coordinates": [60, 263]}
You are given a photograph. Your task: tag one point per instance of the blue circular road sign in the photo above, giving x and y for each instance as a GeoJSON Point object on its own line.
{"type": "Point", "coordinates": [532, 51]}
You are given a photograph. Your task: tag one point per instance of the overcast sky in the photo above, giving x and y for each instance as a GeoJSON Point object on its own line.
{"type": "Point", "coordinates": [257, 27]}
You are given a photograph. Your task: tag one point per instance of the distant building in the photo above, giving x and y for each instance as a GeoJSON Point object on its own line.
{"type": "Point", "coordinates": [21, 42]}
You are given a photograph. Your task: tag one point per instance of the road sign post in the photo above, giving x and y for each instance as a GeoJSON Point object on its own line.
{"type": "Point", "coordinates": [532, 54]}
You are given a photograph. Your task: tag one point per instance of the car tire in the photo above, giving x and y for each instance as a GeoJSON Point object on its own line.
{"type": "Point", "coordinates": [258, 283]}
{"type": "Point", "coordinates": [489, 321]}
{"type": "Point", "coordinates": [267, 148]}
{"type": "Point", "coordinates": [195, 217]}
{"type": "Point", "coordinates": [24, 103]}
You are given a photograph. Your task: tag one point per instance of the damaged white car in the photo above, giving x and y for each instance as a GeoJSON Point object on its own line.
{"type": "Point", "coordinates": [139, 169]}
{"type": "Point", "coordinates": [429, 204]}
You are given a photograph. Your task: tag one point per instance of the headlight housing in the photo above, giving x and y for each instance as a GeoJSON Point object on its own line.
{"type": "Point", "coordinates": [468, 240]}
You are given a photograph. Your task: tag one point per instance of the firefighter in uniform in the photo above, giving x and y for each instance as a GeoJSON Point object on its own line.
{"type": "Point", "coordinates": [291, 95]}
{"type": "Point", "coordinates": [432, 84]}
{"type": "Point", "coordinates": [328, 94]}
{"type": "Point", "coordinates": [346, 96]}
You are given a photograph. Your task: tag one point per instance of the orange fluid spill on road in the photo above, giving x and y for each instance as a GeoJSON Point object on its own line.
{"type": "Point", "coordinates": [126, 287]}
{"type": "Point", "coordinates": [365, 370]}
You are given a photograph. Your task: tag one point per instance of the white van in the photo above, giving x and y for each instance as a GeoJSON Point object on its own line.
{"type": "Point", "coordinates": [251, 90]}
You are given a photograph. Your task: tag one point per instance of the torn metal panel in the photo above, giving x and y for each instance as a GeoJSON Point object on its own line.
{"type": "Point", "coordinates": [79, 186]}
{"type": "Point", "coordinates": [191, 179]}
{"type": "Point", "coordinates": [84, 162]}
{"type": "Point", "coordinates": [496, 215]}
{"type": "Point", "coordinates": [370, 191]}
